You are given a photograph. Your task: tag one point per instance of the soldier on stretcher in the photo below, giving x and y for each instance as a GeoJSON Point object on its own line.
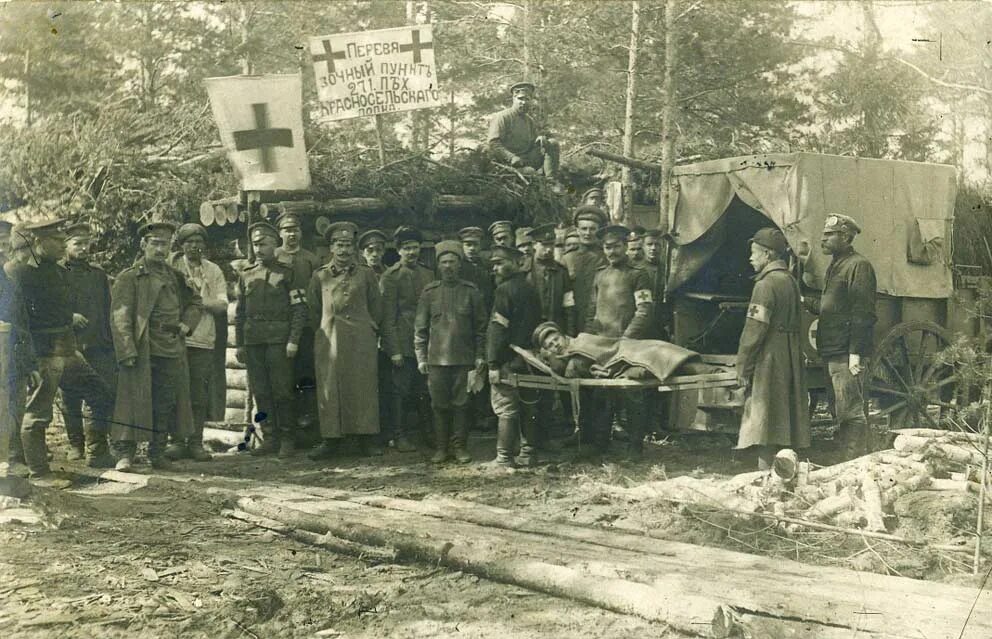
{"type": "Point", "coordinates": [588, 355]}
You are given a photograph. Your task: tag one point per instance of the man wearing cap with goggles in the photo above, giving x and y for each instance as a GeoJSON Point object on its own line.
{"type": "Point", "coordinates": [770, 358]}
{"type": "Point", "coordinates": [621, 305]}
{"type": "Point", "coordinates": [845, 329]}
{"type": "Point", "coordinates": [346, 308]}
{"type": "Point", "coordinates": [89, 290]}
{"type": "Point", "coordinates": [449, 338]}
{"type": "Point", "coordinates": [514, 138]}
{"type": "Point", "coordinates": [153, 310]}
{"type": "Point", "coordinates": [268, 322]}
{"type": "Point", "coordinates": [303, 263]}
{"type": "Point", "coordinates": [402, 285]}
{"type": "Point", "coordinates": [584, 263]}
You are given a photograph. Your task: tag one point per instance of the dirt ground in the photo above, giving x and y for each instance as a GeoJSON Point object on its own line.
{"type": "Point", "coordinates": [162, 561]}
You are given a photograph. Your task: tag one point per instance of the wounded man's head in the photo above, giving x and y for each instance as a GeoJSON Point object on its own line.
{"type": "Point", "coordinates": [549, 336]}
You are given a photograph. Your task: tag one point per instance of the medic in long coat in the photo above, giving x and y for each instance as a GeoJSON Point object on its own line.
{"type": "Point", "coordinates": [347, 311]}
{"type": "Point", "coordinates": [769, 358]}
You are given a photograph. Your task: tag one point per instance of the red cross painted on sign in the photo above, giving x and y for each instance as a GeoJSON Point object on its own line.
{"type": "Point", "coordinates": [263, 138]}
{"type": "Point", "coordinates": [329, 56]}
{"type": "Point", "coordinates": [416, 46]}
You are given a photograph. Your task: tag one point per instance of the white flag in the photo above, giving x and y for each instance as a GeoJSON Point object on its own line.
{"type": "Point", "coordinates": [261, 125]}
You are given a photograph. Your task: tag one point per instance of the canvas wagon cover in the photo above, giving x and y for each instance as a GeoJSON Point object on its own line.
{"type": "Point", "coordinates": [905, 210]}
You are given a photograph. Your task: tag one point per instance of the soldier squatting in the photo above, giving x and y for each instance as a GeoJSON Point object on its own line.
{"type": "Point", "coordinates": [371, 354]}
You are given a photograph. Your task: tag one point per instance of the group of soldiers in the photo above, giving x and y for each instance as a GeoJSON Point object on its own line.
{"type": "Point", "coordinates": [383, 351]}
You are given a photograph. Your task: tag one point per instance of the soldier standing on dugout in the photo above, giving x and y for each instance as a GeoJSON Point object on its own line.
{"type": "Point", "coordinates": [583, 263]}
{"type": "Point", "coordinates": [621, 305]}
{"type": "Point", "coordinates": [515, 314]}
{"type": "Point", "coordinates": [89, 289]}
{"type": "Point", "coordinates": [449, 338]}
{"type": "Point", "coordinates": [268, 322]}
{"type": "Point", "coordinates": [402, 285]}
{"type": "Point", "coordinates": [153, 308]}
{"type": "Point", "coordinates": [845, 331]}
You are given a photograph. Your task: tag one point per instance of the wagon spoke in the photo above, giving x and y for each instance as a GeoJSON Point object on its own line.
{"type": "Point", "coordinates": [904, 347]}
{"type": "Point", "coordinates": [892, 409]}
{"type": "Point", "coordinates": [888, 391]}
{"type": "Point", "coordinates": [892, 367]}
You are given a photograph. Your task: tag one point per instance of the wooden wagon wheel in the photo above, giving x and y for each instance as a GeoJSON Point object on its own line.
{"type": "Point", "coordinates": [906, 377]}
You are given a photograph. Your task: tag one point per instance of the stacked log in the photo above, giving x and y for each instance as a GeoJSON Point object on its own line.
{"type": "Point", "coordinates": [237, 403]}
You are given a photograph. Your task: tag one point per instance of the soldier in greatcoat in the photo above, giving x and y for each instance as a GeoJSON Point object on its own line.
{"type": "Point", "coordinates": [153, 311]}
{"type": "Point", "coordinates": [621, 305]}
{"type": "Point", "coordinates": [268, 322]}
{"type": "Point", "coordinates": [449, 338]}
{"type": "Point", "coordinates": [583, 263]}
{"type": "Point", "coordinates": [515, 314]}
{"type": "Point", "coordinates": [402, 285]}
{"type": "Point", "coordinates": [769, 358]}
{"type": "Point", "coordinates": [845, 331]}
{"type": "Point", "coordinates": [89, 290]}
{"type": "Point", "coordinates": [346, 308]}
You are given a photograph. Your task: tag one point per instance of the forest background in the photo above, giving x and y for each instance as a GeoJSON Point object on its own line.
{"type": "Point", "coordinates": [104, 114]}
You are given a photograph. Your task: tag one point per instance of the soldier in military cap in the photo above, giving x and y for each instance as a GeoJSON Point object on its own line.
{"type": "Point", "coordinates": [303, 263]}
{"type": "Point", "coordinates": [346, 308]}
{"type": "Point", "coordinates": [524, 242]}
{"type": "Point", "coordinates": [594, 197]}
{"type": "Point", "coordinates": [449, 339]}
{"type": "Point", "coordinates": [515, 314]}
{"type": "Point", "coordinates": [635, 246]}
{"type": "Point", "coordinates": [153, 311]}
{"type": "Point", "coordinates": [44, 284]}
{"type": "Point", "coordinates": [570, 240]}
{"type": "Point", "coordinates": [206, 375]}
{"type": "Point", "coordinates": [18, 363]}
{"type": "Point", "coordinates": [473, 268]}
{"type": "Point", "coordinates": [654, 264]}
{"type": "Point", "coordinates": [769, 358]}
{"type": "Point", "coordinates": [621, 305]}
{"type": "Point", "coordinates": [583, 263]}
{"type": "Point", "coordinates": [501, 233]}
{"type": "Point", "coordinates": [514, 137]}
{"type": "Point", "coordinates": [845, 330]}
{"type": "Point", "coordinates": [372, 245]}
{"type": "Point", "coordinates": [402, 285]}
{"type": "Point", "coordinates": [268, 322]}
{"type": "Point", "coordinates": [89, 292]}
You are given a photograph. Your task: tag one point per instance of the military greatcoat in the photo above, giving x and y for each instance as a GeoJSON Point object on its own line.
{"type": "Point", "coordinates": [346, 309]}
{"type": "Point", "coordinates": [776, 410]}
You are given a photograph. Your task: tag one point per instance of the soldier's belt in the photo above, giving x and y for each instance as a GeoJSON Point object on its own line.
{"type": "Point", "coordinates": [164, 327]}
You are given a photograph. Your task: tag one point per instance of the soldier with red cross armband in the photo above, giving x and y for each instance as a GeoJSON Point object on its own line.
{"type": "Point", "coordinates": [269, 318]}
{"type": "Point", "coordinates": [621, 305]}
{"type": "Point", "coordinates": [769, 358]}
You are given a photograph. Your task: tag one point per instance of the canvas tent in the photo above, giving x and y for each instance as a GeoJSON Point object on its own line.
{"type": "Point", "coordinates": [905, 210]}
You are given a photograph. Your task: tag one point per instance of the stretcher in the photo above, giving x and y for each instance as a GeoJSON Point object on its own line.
{"type": "Point", "coordinates": [547, 379]}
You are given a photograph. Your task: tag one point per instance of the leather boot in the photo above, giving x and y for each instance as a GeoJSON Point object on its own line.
{"type": "Point", "coordinates": [77, 441]}
{"type": "Point", "coordinates": [176, 450]}
{"type": "Point", "coordinates": [269, 445]}
{"type": "Point", "coordinates": [35, 452]}
{"type": "Point", "coordinates": [124, 451]}
{"type": "Point", "coordinates": [286, 415]}
{"type": "Point", "coordinates": [98, 448]}
{"type": "Point", "coordinates": [325, 450]}
{"type": "Point", "coordinates": [459, 434]}
{"type": "Point", "coordinates": [196, 450]}
{"type": "Point", "coordinates": [370, 445]}
{"type": "Point", "coordinates": [441, 433]}
{"type": "Point", "coordinates": [507, 433]}
{"type": "Point", "coordinates": [528, 436]}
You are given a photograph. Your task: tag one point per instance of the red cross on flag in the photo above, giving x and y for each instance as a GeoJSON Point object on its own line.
{"type": "Point", "coordinates": [260, 118]}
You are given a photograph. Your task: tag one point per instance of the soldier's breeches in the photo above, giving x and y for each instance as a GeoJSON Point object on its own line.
{"type": "Point", "coordinates": [410, 390]}
{"type": "Point", "coordinates": [105, 364]}
{"type": "Point", "coordinates": [448, 386]}
{"type": "Point", "coordinates": [201, 378]}
{"type": "Point", "coordinates": [166, 377]}
{"type": "Point", "coordinates": [848, 400]}
{"type": "Point", "coordinates": [505, 400]}
{"type": "Point", "coordinates": [270, 374]}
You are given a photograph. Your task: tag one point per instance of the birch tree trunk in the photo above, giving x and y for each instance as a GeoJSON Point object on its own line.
{"type": "Point", "coordinates": [628, 118]}
{"type": "Point", "coordinates": [668, 117]}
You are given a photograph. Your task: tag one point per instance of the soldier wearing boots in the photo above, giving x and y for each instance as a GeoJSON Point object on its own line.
{"type": "Point", "coordinates": [89, 290]}
{"type": "Point", "coordinates": [18, 364]}
{"type": "Point", "coordinates": [153, 310]}
{"type": "Point", "coordinates": [402, 285]}
{"type": "Point", "coordinates": [449, 339]}
{"type": "Point", "coordinates": [516, 312]}
{"type": "Point", "coordinates": [51, 321]}
{"type": "Point", "coordinates": [268, 321]}
{"type": "Point", "coordinates": [621, 305]}
{"type": "Point", "coordinates": [208, 280]}
{"type": "Point", "coordinates": [303, 264]}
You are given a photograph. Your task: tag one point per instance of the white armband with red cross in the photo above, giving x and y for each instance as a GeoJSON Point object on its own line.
{"type": "Point", "coordinates": [297, 296]}
{"type": "Point", "coordinates": [758, 313]}
{"type": "Point", "coordinates": [643, 296]}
